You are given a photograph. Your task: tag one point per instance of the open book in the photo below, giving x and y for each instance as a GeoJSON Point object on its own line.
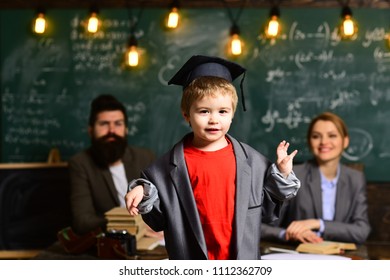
{"type": "Point", "coordinates": [325, 247]}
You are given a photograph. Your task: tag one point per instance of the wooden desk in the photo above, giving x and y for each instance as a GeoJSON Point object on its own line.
{"type": "Point", "coordinates": [18, 254]}
{"type": "Point", "coordinates": [57, 252]}
{"type": "Point", "coordinates": [379, 250]}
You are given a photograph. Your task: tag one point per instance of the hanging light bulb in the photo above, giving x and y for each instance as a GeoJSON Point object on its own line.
{"type": "Point", "coordinates": [173, 17]}
{"type": "Point", "coordinates": [235, 41]}
{"type": "Point", "coordinates": [132, 55]}
{"type": "Point", "coordinates": [236, 45]}
{"type": "Point", "coordinates": [93, 21]}
{"type": "Point", "coordinates": [348, 26]}
{"type": "Point", "coordinates": [272, 29]}
{"type": "Point", "coordinates": [39, 24]}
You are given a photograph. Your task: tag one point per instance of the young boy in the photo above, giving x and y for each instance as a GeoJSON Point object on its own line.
{"type": "Point", "coordinates": [210, 192]}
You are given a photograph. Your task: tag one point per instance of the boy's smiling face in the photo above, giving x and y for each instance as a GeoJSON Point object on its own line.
{"type": "Point", "coordinates": [210, 119]}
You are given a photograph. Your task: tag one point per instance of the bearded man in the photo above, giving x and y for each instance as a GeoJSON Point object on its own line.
{"type": "Point", "coordinates": [100, 175]}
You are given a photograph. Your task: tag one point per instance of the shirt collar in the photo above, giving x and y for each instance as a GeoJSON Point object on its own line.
{"type": "Point", "coordinates": [330, 183]}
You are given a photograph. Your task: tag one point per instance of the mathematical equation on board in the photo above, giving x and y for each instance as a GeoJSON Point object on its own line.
{"type": "Point", "coordinates": [294, 116]}
{"type": "Point", "coordinates": [309, 74]}
{"type": "Point", "coordinates": [325, 36]}
{"type": "Point", "coordinates": [334, 99]}
{"type": "Point", "coordinates": [323, 39]}
{"type": "Point", "coordinates": [101, 52]}
{"type": "Point", "coordinates": [361, 141]}
{"type": "Point", "coordinates": [29, 122]}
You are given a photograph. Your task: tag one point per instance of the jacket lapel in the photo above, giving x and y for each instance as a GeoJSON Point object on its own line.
{"type": "Point", "coordinates": [243, 189]}
{"type": "Point", "coordinates": [110, 183]}
{"type": "Point", "coordinates": [342, 192]}
{"type": "Point", "coordinates": [314, 185]}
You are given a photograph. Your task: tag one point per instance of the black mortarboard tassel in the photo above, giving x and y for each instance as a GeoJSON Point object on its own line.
{"type": "Point", "coordinates": [201, 66]}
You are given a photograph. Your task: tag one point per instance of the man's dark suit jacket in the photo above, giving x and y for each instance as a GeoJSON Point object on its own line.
{"type": "Point", "coordinates": [351, 218]}
{"type": "Point", "coordinates": [92, 188]}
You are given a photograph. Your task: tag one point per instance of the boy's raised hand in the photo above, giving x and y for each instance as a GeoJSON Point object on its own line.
{"type": "Point", "coordinates": [284, 160]}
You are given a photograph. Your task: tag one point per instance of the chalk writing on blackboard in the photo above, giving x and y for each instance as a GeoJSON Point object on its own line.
{"type": "Point", "coordinates": [361, 144]}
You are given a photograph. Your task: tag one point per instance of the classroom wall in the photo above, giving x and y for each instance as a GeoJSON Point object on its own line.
{"type": "Point", "coordinates": [47, 83]}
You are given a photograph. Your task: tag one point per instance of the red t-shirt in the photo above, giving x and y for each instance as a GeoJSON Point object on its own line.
{"type": "Point", "coordinates": [213, 180]}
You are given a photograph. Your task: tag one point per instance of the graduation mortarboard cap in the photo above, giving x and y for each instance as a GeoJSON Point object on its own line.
{"type": "Point", "coordinates": [202, 66]}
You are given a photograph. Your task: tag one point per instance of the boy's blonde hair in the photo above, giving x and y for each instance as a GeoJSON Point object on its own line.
{"type": "Point", "coordinates": [207, 86]}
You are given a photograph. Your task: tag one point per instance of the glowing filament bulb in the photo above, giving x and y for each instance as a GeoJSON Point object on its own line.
{"type": "Point", "coordinates": [236, 45]}
{"type": "Point", "coordinates": [40, 24]}
{"type": "Point", "coordinates": [348, 26]}
{"type": "Point", "coordinates": [273, 27]}
{"type": "Point", "coordinates": [93, 23]}
{"type": "Point", "coordinates": [173, 18]}
{"type": "Point", "coordinates": [132, 56]}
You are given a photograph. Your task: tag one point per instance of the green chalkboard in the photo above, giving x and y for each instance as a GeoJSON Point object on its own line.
{"type": "Point", "coordinates": [47, 83]}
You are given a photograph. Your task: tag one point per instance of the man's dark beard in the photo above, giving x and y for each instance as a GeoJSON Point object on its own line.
{"type": "Point", "coordinates": [107, 152]}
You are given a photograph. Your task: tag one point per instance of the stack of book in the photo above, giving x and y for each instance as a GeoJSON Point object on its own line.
{"type": "Point", "coordinates": [119, 219]}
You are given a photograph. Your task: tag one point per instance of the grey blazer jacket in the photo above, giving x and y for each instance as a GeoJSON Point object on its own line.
{"type": "Point", "coordinates": [259, 194]}
{"type": "Point", "coordinates": [351, 218]}
{"type": "Point", "coordinates": [92, 188]}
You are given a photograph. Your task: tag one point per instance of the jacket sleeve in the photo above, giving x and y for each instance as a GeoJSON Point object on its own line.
{"type": "Point", "coordinates": [279, 187]}
{"type": "Point", "coordinates": [270, 232]}
{"type": "Point", "coordinates": [150, 194]}
{"type": "Point", "coordinates": [150, 205]}
{"type": "Point", "coordinates": [84, 216]}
